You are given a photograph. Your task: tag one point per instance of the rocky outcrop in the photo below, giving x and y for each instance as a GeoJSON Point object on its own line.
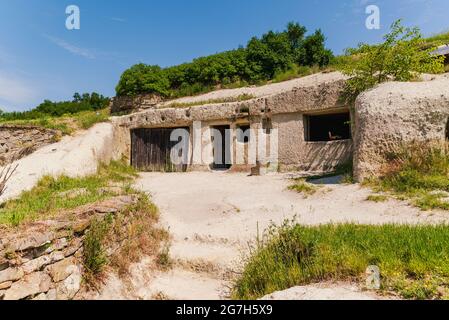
{"type": "Point", "coordinates": [126, 104]}
{"type": "Point", "coordinates": [392, 114]}
{"type": "Point", "coordinates": [74, 156]}
{"type": "Point", "coordinates": [19, 141]}
{"type": "Point", "coordinates": [44, 260]}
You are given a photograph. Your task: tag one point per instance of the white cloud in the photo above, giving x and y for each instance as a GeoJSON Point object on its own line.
{"type": "Point", "coordinates": [82, 52]}
{"type": "Point", "coordinates": [15, 92]}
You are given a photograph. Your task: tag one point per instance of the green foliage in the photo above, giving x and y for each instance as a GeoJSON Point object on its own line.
{"type": "Point", "coordinates": [261, 60]}
{"type": "Point", "coordinates": [437, 40]}
{"type": "Point", "coordinates": [94, 254]}
{"type": "Point", "coordinates": [80, 103]}
{"type": "Point", "coordinates": [377, 198]}
{"type": "Point", "coordinates": [418, 171]}
{"type": "Point", "coordinates": [66, 124]}
{"type": "Point", "coordinates": [301, 186]}
{"type": "Point", "coordinates": [413, 260]}
{"type": "Point", "coordinates": [49, 195]}
{"type": "Point", "coordinates": [400, 58]}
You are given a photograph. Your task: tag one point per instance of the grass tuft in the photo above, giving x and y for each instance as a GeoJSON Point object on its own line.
{"type": "Point", "coordinates": [301, 186]}
{"type": "Point", "coordinates": [418, 172]}
{"type": "Point", "coordinates": [377, 198]}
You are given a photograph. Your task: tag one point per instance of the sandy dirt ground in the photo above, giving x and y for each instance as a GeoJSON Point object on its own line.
{"type": "Point", "coordinates": [213, 216]}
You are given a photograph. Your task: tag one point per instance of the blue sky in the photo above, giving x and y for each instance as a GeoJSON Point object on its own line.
{"type": "Point", "coordinates": [41, 59]}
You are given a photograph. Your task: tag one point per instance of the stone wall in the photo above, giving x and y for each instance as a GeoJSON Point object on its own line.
{"type": "Point", "coordinates": [125, 104]}
{"type": "Point", "coordinates": [19, 141]}
{"type": "Point", "coordinates": [44, 260]}
{"type": "Point", "coordinates": [394, 114]}
{"type": "Point", "coordinates": [283, 106]}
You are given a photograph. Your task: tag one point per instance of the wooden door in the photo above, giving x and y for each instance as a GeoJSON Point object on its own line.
{"type": "Point", "coordinates": [151, 150]}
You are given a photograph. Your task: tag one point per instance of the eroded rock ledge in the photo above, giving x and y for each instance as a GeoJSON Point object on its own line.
{"type": "Point", "coordinates": [44, 260]}
{"type": "Point", "coordinates": [19, 141]}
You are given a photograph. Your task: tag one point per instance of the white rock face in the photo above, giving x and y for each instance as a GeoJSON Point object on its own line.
{"type": "Point", "coordinates": [395, 113]}
{"type": "Point", "coordinates": [324, 292]}
{"type": "Point", "coordinates": [73, 156]}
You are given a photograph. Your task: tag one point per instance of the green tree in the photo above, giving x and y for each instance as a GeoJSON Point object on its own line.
{"type": "Point", "coordinates": [400, 57]}
{"type": "Point", "coordinates": [262, 59]}
{"type": "Point", "coordinates": [142, 78]}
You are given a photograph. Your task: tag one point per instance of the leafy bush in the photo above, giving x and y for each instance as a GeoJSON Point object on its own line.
{"type": "Point", "coordinates": [261, 60]}
{"type": "Point", "coordinates": [400, 58]}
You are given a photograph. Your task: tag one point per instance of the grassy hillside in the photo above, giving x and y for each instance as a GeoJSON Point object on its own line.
{"type": "Point", "coordinates": [262, 59]}
{"type": "Point", "coordinates": [413, 260]}
{"type": "Point", "coordinates": [66, 116]}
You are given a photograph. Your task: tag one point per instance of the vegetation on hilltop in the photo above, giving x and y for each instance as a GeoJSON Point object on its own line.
{"type": "Point", "coordinates": [261, 60]}
{"type": "Point", "coordinates": [66, 116]}
{"type": "Point", "coordinates": [79, 103]}
{"type": "Point", "coordinates": [401, 57]}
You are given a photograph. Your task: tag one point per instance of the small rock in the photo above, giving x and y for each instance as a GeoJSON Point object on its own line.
{"type": "Point", "coordinates": [30, 285]}
{"type": "Point", "coordinates": [40, 297]}
{"type": "Point", "coordinates": [4, 264]}
{"type": "Point", "coordinates": [67, 289]}
{"type": "Point", "coordinates": [80, 226]}
{"type": "Point", "coordinates": [35, 240]}
{"type": "Point", "coordinates": [52, 294]}
{"type": "Point", "coordinates": [73, 247]}
{"type": "Point", "coordinates": [42, 261]}
{"type": "Point", "coordinates": [49, 296]}
{"type": "Point", "coordinates": [5, 285]}
{"type": "Point", "coordinates": [62, 269]}
{"type": "Point", "coordinates": [57, 245]}
{"type": "Point", "coordinates": [11, 274]}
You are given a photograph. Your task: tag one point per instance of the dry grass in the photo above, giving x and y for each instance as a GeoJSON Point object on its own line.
{"type": "Point", "coordinates": [135, 229]}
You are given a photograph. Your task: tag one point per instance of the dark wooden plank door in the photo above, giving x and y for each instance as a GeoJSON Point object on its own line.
{"type": "Point", "coordinates": [151, 150]}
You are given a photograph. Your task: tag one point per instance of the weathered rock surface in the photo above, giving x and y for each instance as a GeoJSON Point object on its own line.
{"type": "Point", "coordinates": [11, 274]}
{"type": "Point", "coordinates": [30, 285]}
{"type": "Point", "coordinates": [395, 113]}
{"type": "Point", "coordinates": [45, 265]}
{"type": "Point", "coordinates": [19, 141]}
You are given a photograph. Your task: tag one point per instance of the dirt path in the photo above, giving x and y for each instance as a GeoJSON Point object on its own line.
{"type": "Point", "coordinates": [212, 216]}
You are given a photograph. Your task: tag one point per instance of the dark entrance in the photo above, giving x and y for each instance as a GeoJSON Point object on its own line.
{"type": "Point", "coordinates": [221, 141]}
{"type": "Point", "coordinates": [151, 150]}
{"type": "Point", "coordinates": [447, 129]}
{"type": "Point", "coordinates": [327, 127]}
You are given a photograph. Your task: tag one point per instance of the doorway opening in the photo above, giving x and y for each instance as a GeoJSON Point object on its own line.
{"type": "Point", "coordinates": [221, 147]}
